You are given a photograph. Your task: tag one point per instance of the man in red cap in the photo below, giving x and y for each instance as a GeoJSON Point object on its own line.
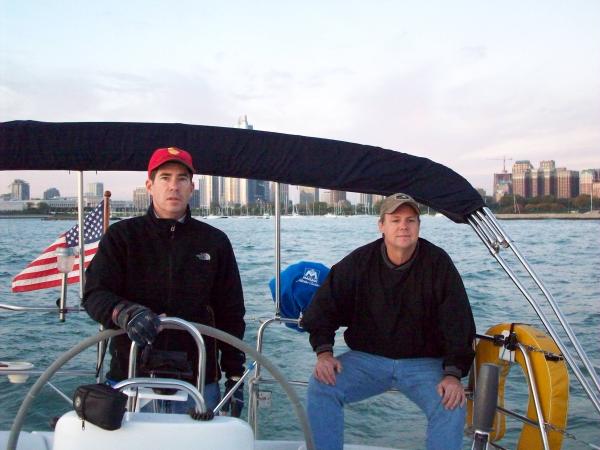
{"type": "Point", "coordinates": [167, 263]}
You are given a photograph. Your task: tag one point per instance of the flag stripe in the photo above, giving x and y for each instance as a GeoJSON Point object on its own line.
{"type": "Point", "coordinates": [43, 273]}
{"type": "Point", "coordinates": [48, 269]}
{"type": "Point", "coordinates": [51, 282]}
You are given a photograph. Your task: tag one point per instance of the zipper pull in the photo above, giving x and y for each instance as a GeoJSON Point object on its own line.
{"type": "Point", "coordinates": [173, 231]}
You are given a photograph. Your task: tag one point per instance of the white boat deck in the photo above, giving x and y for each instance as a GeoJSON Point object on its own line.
{"type": "Point", "coordinates": [43, 440]}
{"type": "Point", "coordinates": [155, 431]}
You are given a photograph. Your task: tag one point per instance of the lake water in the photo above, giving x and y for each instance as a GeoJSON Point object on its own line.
{"type": "Point", "coordinates": [565, 254]}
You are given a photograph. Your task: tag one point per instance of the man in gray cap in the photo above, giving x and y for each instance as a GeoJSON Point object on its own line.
{"type": "Point", "coordinates": [409, 327]}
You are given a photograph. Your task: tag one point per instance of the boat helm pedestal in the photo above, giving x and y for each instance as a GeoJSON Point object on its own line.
{"type": "Point", "coordinates": [154, 431]}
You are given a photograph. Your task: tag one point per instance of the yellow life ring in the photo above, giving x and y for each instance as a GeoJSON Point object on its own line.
{"type": "Point", "coordinates": [550, 375]}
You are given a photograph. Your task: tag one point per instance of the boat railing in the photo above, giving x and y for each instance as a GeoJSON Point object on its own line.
{"type": "Point", "coordinates": [164, 383]}
{"type": "Point", "coordinates": [15, 308]}
{"type": "Point", "coordinates": [177, 324]}
{"type": "Point", "coordinates": [495, 238]}
{"type": "Point", "coordinates": [541, 423]}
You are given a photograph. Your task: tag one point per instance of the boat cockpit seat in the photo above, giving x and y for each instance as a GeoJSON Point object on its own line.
{"type": "Point", "coordinates": [152, 431]}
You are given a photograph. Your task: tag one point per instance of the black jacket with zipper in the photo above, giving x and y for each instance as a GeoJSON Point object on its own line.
{"type": "Point", "coordinates": [421, 311]}
{"type": "Point", "coordinates": [182, 269]}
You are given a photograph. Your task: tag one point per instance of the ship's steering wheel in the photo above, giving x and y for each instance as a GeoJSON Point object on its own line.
{"type": "Point", "coordinates": [205, 330]}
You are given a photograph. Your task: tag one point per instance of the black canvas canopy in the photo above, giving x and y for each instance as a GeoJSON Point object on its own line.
{"type": "Point", "coordinates": [241, 153]}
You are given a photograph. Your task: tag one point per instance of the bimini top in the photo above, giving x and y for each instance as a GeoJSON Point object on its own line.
{"type": "Point", "coordinates": [241, 153]}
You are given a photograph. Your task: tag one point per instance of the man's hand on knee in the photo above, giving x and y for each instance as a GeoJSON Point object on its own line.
{"type": "Point", "coordinates": [326, 368]}
{"type": "Point", "coordinates": [452, 392]}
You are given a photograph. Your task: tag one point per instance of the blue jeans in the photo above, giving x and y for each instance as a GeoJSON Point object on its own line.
{"type": "Point", "coordinates": [364, 375]}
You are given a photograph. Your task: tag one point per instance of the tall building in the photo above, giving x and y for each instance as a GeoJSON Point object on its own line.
{"type": "Point", "coordinates": [378, 198]}
{"type": "Point", "coordinates": [308, 195]}
{"type": "Point", "coordinates": [19, 190]}
{"type": "Point", "coordinates": [567, 183]}
{"type": "Point", "coordinates": [587, 179]}
{"type": "Point", "coordinates": [141, 199]}
{"type": "Point", "coordinates": [543, 181]}
{"type": "Point", "coordinates": [96, 189]}
{"type": "Point", "coordinates": [51, 193]}
{"type": "Point", "coordinates": [195, 199]}
{"type": "Point", "coordinates": [258, 190]}
{"type": "Point", "coordinates": [522, 166]}
{"type": "Point", "coordinates": [209, 187]}
{"type": "Point", "coordinates": [332, 197]}
{"type": "Point", "coordinates": [201, 182]}
{"type": "Point", "coordinates": [235, 191]}
{"type": "Point", "coordinates": [502, 185]}
{"type": "Point", "coordinates": [243, 123]}
{"type": "Point", "coordinates": [284, 195]}
{"type": "Point", "coordinates": [521, 178]}
{"type": "Point", "coordinates": [369, 201]}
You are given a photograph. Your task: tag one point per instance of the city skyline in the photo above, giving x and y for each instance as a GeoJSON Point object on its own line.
{"type": "Point", "coordinates": [461, 83]}
{"type": "Point", "coordinates": [504, 182]}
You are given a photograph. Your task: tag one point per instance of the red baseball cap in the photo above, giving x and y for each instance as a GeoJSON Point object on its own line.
{"type": "Point", "coordinates": [170, 154]}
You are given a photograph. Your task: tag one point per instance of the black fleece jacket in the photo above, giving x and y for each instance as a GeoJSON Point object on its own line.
{"type": "Point", "coordinates": [185, 270]}
{"type": "Point", "coordinates": [420, 309]}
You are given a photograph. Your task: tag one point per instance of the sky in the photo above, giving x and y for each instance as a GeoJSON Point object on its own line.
{"type": "Point", "coordinates": [464, 83]}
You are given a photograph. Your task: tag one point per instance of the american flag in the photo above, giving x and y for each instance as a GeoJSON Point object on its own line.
{"type": "Point", "coordinates": [42, 272]}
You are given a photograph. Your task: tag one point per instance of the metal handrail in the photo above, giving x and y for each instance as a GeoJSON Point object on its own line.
{"type": "Point", "coordinates": [164, 383]}
{"type": "Point", "coordinates": [555, 308]}
{"type": "Point", "coordinates": [277, 252]}
{"type": "Point", "coordinates": [234, 388]}
{"type": "Point", "coordinates": [536, 397]}
{"type": "Point", "coordinates": [542, 316]}
{"type": "Point", "coordinates": [256, 379]}
{"type": "Point", "coordinates": [178, 324]}
{"type": "Point", "coordinates": [39, 308]}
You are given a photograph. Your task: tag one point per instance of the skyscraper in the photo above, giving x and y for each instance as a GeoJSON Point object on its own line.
{"type": "Point", "coordinates": [567, 183]}
{"type": "Point", "coordinates": [284, 195]}
{"type": "Point", "coordinates": [546, 179]}
{"type": "Point", "coordinates": [521, 178]}
{"type": "Point", "coordinates": [235, 191]}
{"type": "Point", "coordinates": [502, 185]}
{"type": "Point", "coordinates": [141, 199]}
{"type": "Point", "coordinates": [195, 199]}
{"type": "Point", "coordinates": [19, 190]}
{"type": "Point", "coordinates": [51, 193]}
{"type": "Point", "coordinates": [252, 191]}
{"type": "Point", "coordinates": [258, 190]}
{"type": "Point", "coordinates": [308, 195]}
{"type": "Point", "coordinates": [587, 179]}
{"type": "Point", "coordinates": [96, 189]}
{"type": "Point", "coordinates": [209, 188]}
{"type": "Point", "coordinates": [333, 197]}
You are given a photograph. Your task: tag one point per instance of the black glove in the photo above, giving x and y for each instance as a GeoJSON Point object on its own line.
{"type": "Point", "coordinates": [236, 403]}
{"type": "Point", "coordinates": [140, 323]}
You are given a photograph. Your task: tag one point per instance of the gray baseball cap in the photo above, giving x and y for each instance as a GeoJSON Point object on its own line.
{"type": "Point", "coordinates": [394, 201]}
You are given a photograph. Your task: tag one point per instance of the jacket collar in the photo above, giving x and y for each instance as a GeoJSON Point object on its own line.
{"type": "Point", "coordinates": [166, 224]}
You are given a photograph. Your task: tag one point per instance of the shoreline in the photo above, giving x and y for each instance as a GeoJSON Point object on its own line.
{"type": "Point", "coordinates": [594, 215]}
